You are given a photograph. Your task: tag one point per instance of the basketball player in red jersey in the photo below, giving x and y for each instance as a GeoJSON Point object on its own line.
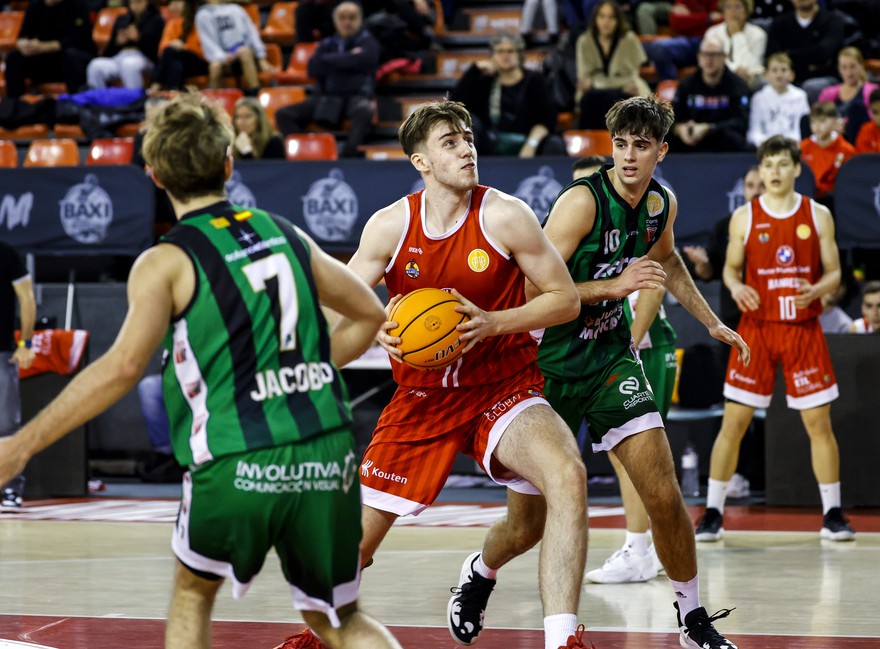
{"type": "Point", "coordinates": [785, 242]}
{"type": "Point", "coordinates": [481, 244]}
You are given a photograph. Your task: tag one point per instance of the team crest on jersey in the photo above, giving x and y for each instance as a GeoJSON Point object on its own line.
{"type": "Point", "coordinates": [764, 237]}
{"type": "Point", "coordinates": [539, 191]}
{"type": "Point", "coordinates": [412, 269]}
{"type": "Point", "coordinates": [651, 226]}
{"type": "Point", "coordinates": [239, 193]}
{"type": "Point", "coordinates": [784, 255]}
{"type": "Point", "coordinates": [478, 260]}
{"type": "Point", "coordinates": [330, 207]}
{"type": "Point", "coordinates": [654, 203]}
{"type": "Point", "coordinates": [86, 211]}
{"type": "Point", "coordinates": [803, 231]}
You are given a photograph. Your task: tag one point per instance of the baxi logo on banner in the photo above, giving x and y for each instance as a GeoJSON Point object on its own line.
{"type": "Point", "coordinates": [86, 211]}
{"type": "Point", "coordinates": [16, 213]}
{"type": "Point", "coordinates": [238, 192]}
{"type": "Point", "coordinates": [330, 207]}
{"type": "Point", "coordinates": [539, 191]}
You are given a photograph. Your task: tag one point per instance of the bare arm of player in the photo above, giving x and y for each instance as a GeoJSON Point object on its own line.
{"type": "Point", "coordinates": [572, 218]}
{"type": "Point", "coordinates": [681, 285]}
{"type": "Point", "coordinates": [514, 227]}
{"type": "Point", "coordinates": [379, 240]}
{"type": "Point", "coordinates": [746, 297]}
{"type": "Point", "coordinates": [646, 308]}
{"type": "Point", "coordinates": [27, 307]}
{"type": "Point", "coordinates": [830, 261]}
{"type": "Point", "coordinates": [348, 295]}
{"type": "Point", "coordinates": [102, 383]}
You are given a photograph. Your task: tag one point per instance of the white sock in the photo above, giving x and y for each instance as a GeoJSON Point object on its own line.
{"type": "Point", "coordinates": [558, 628]}
{"type": "Point", "coordinates": [830, 496]}
{"type": "Point", "coordinates": [687, 594]}
{"type": "Point", "coordinates": [483, 570]}
{"type": "Point", "coordinates": [637, 542]}
{"type": "Point", "coordinates": [717, 494]}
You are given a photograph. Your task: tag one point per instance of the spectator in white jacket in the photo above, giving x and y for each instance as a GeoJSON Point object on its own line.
{"type": "Point", "coordinates": [778, 107]}
{"type": "Point", "coordinates": [744, 43]}
{"type": "Point", "coordinates": [230, 39]}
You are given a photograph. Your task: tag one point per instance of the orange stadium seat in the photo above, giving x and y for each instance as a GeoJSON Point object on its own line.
{"type": "Point", "coordinates": [226, 97]}
{"type": "Point", "coordinates": [383, 152]}
{"type": "Point", "coordinates": [111, 151]}
{"type": "Point", "coordinates": [280, 24]}
{"type": "Point", "coordinates": [587, 142]}
{"type": "Point", "coordinates": [254, 12]}
{"type": "Point", "coordinates": [8, 154]}
{"type": "Point", "coordinates": [103, 28]}
{"type": "Point", "coordinates": [271, 99]}
{"type": "Point", "coordinates": [311, 146]}
{"type": "Point", "coordinates": [667, 88]}
{"type": "Point", "coordinates": [276, 60]}
{"type": "Point", "coordinates": [297, 68]}
{"type": "Point", "coordinates": [62, 152]}
{"type": "Point", "coordinates": [10, 25]}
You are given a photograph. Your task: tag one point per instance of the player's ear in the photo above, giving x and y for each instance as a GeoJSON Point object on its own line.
{"type": "Point", "coordinates": [664, 148]}
{"type": "Point", "coordinates": [420, 162]}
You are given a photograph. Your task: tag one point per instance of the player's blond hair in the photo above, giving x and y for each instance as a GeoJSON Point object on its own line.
{"type": "Point", "coordinates": [415, 129]}
{"type": "Point", "coordinates": [186, 145]}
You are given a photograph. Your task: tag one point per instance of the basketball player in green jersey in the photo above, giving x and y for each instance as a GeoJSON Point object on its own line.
{"type": "Point", "coordinates": [654, 337]}
{"type": "Point", "coordinates": [257, 409]}
{"type": "Point", "coordinates": [614, 229]}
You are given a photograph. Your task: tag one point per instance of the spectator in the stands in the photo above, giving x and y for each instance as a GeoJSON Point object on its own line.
{"type": "Point", "coordinates": [313, 20]}
{"type": "Point", "coordinates": [689, 19]}
{"type": "Point", "coordinates": [231, 42]}
{"type": "Point", "coordinates": [609, 56]}
{"type": "Point", "coordinates": [180, 50]}
{"type": "Point", "coordinates": [852, 96]}
{"type": "Point", "coordinates": [651, 15]}
{"type": "Point", "coordinates": [743, 43]}
{"type": "Point", "coordinates": [766, 10]}
{"type": "Point", "coordinates": [812, 37]}
{"type": "Point", "coordinates": [869, 323]}
{"type": "Point", "coordinates": [825, 151]}
{"type": "Point", "coordinates": [551, 20]}
{"type": "Point", "coordinates": [512, 108]}
{"type": "Point", "coordinates": [404, 28]}
{"type": "Point", "coordinates": [778, 107]}
{"type": "Point", "coordinates": [344, 67]}
{"type": "Point", "coordinates": [254, 137]}
{"type": "Point", "coordinates": [868, 140]}
{"type": "Point", "coordinates": [54, 45]}
{"type": "Point", "coordinates": [133, 49]}
{"type": "Point", "coordinates": [711, 106]}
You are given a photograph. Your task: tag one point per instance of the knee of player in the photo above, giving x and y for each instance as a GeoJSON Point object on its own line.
{"type": "Point", "coordinates": [567, 481]}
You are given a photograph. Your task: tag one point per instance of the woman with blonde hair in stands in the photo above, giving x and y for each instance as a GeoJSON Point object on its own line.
{"type": "Point", "coordinates": [609, 56]}
{"type": "Point", "coordinates": [255, 139]}
{"type": "Point", "coordinates": [744, 43]}
{"type": "Point", "coordinates": [852, 96]}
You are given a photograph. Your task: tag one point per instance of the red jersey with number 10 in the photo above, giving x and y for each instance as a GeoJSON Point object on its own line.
{"type": "Point", "coordinates": [466, 259]}
{"type": "Point", "coordinates": [782, 249]}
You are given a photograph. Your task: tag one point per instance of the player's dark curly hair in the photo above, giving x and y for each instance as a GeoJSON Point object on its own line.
{"type": "Point", "coordinates": [645, 116]}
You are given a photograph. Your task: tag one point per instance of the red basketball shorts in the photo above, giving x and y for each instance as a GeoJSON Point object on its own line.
{"type": "Point", "coordinates": [421, 431]}
{"type": "Point", "coordinates": [800, 348]}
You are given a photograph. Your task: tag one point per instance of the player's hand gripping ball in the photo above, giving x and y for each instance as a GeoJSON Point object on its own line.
{"type": "Point", "coordinates": [426, 321]}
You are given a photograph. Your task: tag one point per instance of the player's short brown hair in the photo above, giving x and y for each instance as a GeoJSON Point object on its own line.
{"type": "Point", "coordinates": [415, 128]}
{"type": "Point", "coordinates": [645, 116]}
{"type": "Point", "coordinates": [776, 144]}
{"type": "Point", "coordinates": [186, 145]}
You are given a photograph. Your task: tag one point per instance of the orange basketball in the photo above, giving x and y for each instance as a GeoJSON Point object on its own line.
{"type": "Point", "coordinates": [426, 321]}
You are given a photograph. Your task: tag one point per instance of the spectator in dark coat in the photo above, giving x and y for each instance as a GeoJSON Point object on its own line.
{"type": "Point", "coordinates": [711, 106]}
{"type": "Point", "coordinates": [512, 108]}
{"type": "Point", "coordinates": [133, 48]}
{"type": "Point", "coordinates": [54, 44]}
{"type": "Point", "coordinates": [813, 48]}
{"type": "Point", "coordinates": [344, 68]}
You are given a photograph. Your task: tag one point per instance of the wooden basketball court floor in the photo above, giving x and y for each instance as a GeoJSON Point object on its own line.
{"type": "Point", "coordinates": [96, 574]}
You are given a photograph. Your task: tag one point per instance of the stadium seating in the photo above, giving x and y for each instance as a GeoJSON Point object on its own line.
{"type": "Point", "coordinates": [226, 97]}
{"type": "Point", "coordinates": [280, 24]}
{"type": "Point", "coordinates": [62, 152]}
{"type": "Point", "coordinates": [587, 142]}
{"type": "Point", "coordinates": [8, 154]}
{"type": "Point", "coordinates": [296, 71]}
{"type": "Point", "coordinates": [311, 146]}
{"type": "Point", "coordinates": [103, 28]}
{"type": "Point", "coordinates": [10, 24]}
{"type": "Point", "coordinates": [271, 99]}
{"type": "Point", "coordinates": [111, 151]}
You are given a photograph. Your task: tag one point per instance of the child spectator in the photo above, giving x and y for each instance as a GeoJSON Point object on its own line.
{"type": "Point", "coordinates": [870, 321]}
{"type": "Point", "coordinates": [133, 48]}
{"type": "Point", "coordinates": [180, 50]}
{"type": "Point", "coordinates": [868, 140]}
{"type": "Point", "coordinates": [254, 137]}
{"type": "Point", "coordinates": [825, 150]}
{"type": "Point", "coordinates": [778, 107]}
{"type": "Point", "coordinates": [852, 95]}
{"type": "Point", "coordinates": [230, 38]}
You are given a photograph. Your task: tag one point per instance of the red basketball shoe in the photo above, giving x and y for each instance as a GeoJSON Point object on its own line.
{"type": "Point", "coordinates": [303, 640]}
{"type": "Point", "coordinates": [577, 640]}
